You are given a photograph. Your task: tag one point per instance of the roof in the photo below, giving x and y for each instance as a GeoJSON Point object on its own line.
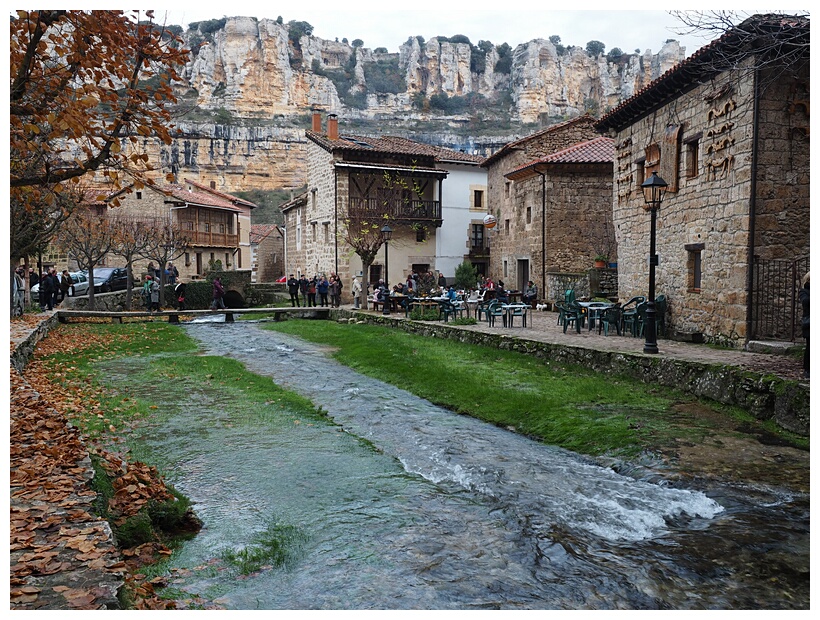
{"type": "Point", "coordinates": [297, 201]}
{"type": "Point", "coordinates": [201, 195]}
{"type": "Point", "coordinates": [392, 145]}
{"type": "Point", "coordinates": [598, 151]}
{"type": "Point", "coordinates": [521, 141]}
{"type": "Point", "coordinates": [235, 199]}
{"type": "Point", "coordinates": [178, 193]}
{"type": "Point", "coordinates": [710, 60]}
{"type": "Point", "coordinates": [260, 232]}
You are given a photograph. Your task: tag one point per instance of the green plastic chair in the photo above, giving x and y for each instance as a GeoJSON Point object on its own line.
{"type": "Point", "coordinates": [494, 311]}
{"type": "Point", "coordinates": [611, 316]}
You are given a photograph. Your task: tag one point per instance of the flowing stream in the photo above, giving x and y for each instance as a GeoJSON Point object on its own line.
{"type": "Point", "coordinates": [400, 504]}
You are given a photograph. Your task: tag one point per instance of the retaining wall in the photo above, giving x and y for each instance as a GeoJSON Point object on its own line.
{"type": "Point", "coordinates": [765, 396]}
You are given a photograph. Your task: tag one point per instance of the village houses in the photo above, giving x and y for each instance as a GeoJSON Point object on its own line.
{"type": "Point", "coordinates": [728, 130]}
{"type": "Point", "coordinates": [551, 194]}
{"type": "Point", "coordinates": [267, 252]}
{"type": "Point", "coordinates": [430, 197]}
{"type": "Point", "coordinates": [216, 224]}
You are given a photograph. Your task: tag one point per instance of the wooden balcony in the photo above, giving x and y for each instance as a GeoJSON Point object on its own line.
{"type": "Point", "coordinates": [221, 240]}
{"type": "Point", "coordinates": [400, 210]}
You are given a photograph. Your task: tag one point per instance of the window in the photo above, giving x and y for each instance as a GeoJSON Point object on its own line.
{"type": "Point", "coordinates": [478, 199]}
{"type": "Point", "coordinates": [506, 227]}
{"type": "Point", "coordinates": [139, 195]}
{"type": "Point", "coordinates": [207, 227]}
{"type": "Point", "coordinates": [421, 234]}
{"type": "Point", "coordinates": [298, 229]}
{"type": "Point", "coordinates": [640, 172]}
{"type": "Point", "coordinates": [505, 269]}
{"type": "Point", "coordinates": [188, 225]}
{"type": "Point", "coordinates": [477, 237]}
{"type": "Point", "coordinates": [227, 260]}
{"type": "Point", "coordinates": [692, 154]}
{"type": "Point", "coordinates": [694, 266]}
{"type": "Point", "coordinates": [529, 215]}
{"type": "Point", "coordinates": [313, 231]}
{"type": "Point", "coordinates": [187, 259]}
{"type": "Point", "coordinates": [222, 228]}
{"type": "Point", "coordinates": [326, 229]}
{"type": "Point", "coordinates": [507, 189]}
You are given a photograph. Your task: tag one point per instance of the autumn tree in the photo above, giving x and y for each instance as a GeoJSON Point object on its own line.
{"type": "Point", "coordinates": [87, 238]}
{"type": "Point", "coordinates": [86, 89]}
{"type": "Point", "coordinates": [131, 237]}
{"type": "Point", "coordinates": [166, 243]}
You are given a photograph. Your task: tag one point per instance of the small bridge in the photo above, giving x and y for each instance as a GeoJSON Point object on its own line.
{"type": "Point", "coordinates": [173, 315]}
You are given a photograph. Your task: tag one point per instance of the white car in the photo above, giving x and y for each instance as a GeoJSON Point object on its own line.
{"type": "Point", "coordinates": [80, 287]}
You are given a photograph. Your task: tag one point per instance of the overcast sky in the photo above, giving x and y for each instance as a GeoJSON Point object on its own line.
{"type": "Point", "coordinates": [378, 26]}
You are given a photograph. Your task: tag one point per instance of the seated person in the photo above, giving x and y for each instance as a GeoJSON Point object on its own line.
{"type": "Point", "coordinates": [451, 294]}
{"type": "Point", "coordinates": [501, 293]}
{"type": "Point", "coordinates": [530, 293]}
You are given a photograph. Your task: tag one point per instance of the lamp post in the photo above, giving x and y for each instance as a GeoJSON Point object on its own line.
{"type": "Point", "coordinates": [654, 189]}
{"type": "Point", "coordinates": [387, 234]}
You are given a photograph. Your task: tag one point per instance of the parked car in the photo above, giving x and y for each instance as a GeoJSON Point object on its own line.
{"type": "Point", "coordinates": [107, 279]}
{"type": "Point", "coordinates": [80, 287]}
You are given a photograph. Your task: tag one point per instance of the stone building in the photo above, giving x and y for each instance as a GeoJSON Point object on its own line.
{"type": "Point", "coordinates": [562, 204]}
{"type": "Point", "coordinates": [267, 252]}
{"type": "Point", "coordinates": [217, 224]}
{"type": "Point", "coordinates": [728, 130]}
{"type": "Point", "coordinates": [525, 246]}
{"type": "Point", "coordinates": [356, 185]}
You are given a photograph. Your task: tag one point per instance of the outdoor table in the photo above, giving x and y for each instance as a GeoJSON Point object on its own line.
{"type": "Point", "coordinates": [514, 296]}
{"type": "Point", "coordinates": [508, 309]}
{"type": "Point", "coordinates": [594, 309]}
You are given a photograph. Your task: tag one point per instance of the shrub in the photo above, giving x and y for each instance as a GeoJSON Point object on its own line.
{"type": "Point", "coordinates": [384, 76]}
{"type": "Point", "coordinates": [466, 276]}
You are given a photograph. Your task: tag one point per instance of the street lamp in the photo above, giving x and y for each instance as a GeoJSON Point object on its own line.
{"type": "Point", "coordinates": [654, 189]}
{"type": "Point", "coordinates": [387, 235]}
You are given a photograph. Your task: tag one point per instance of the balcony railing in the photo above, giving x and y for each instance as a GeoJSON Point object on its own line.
{"type": "Point", "coordinates": [399, 210]}
{"type": "Point", "coordinates": [224, 240]}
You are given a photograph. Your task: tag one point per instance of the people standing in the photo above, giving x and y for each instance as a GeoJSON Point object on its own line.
{"type": "Point", "coordinates": [172, 273]}
{"type": "Point", "coordinates": [146, 291]}
{"type": "Point", "coordinates": [804, 326]}
{"type": "Point", "coordinates": [293, 289]}
{"type": "Point", "coordinates": [356, 288]}
{"type": "Point", "coordinates": [442, 281]}
{"type": "Point", "coordinates": [46, 292]}
{"type": "Point", "coordinates": [303, 289]}
{"type": "Point", "coordinates": [66, 284]}
{"type": "Point", "coordinates": [322, 288]}
{"type": "Point", "coordinates": [154, 295]}
{"type": "Point", "coordinates": [219, 293]}
{"type": "Point", "coordinates": [334, 291]}
{"type": "Point", "coordinates": [179, 292]}
{"type": "Point", "coordinates": [312, 292]}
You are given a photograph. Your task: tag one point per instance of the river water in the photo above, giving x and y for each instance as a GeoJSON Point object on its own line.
{"type": "Point", "coordinates": [400, 504]}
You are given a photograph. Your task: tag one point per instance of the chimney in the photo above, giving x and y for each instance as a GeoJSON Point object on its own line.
{"type": "Point", "coordinates": [332, 127]}
{"type": "Point", "coordinates": [317, 121]}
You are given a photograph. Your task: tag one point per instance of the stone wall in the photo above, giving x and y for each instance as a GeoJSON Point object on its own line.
{"type": "Point", "coordinates": [704, 143]}
{"type": "Point", "coordinates": [577, 207]}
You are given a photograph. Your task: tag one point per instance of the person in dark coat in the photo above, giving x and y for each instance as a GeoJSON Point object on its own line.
{"type": "Point", "coordinates": [46, 293]}
{"type": "Point", "coordinates": [804, 302]}
{"type": "Point", "coordinates": [322, 288]}
{"type": "Point", "coordinates": [303, 289]}
{"type": "Point", "coordinates": [179, 291]}
{"type": "Point", "coordinates": [66, 284]}
{"type": "Point", "coordinates": [219, 293]}
{"type": "Point", "coordinates": [293, 289]}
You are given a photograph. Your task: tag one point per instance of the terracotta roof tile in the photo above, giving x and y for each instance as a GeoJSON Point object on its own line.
{"type": "Point", "coordinates": [597, 151]}
{"type": "Point", "coordinates": [392, 145]}
{"type": "Point", "coordinates": [259, 232]}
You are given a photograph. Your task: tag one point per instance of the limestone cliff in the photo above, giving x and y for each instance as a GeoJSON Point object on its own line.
{"type": "Point", "coordinates": [252, 86]}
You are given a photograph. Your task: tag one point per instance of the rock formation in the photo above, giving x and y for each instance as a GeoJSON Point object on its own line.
{"type": "Point", "coordinates": [252, 86]}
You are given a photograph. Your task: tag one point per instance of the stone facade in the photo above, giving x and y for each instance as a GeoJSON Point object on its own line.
{"type": "Point", "coordinates": [735, 152]}
{"type": "Point", "coordinates": [380, 176]}
{"type": "Point", "coordinates": [221, 222]}
{"type": "Point", "coordinates": [267, 253]}
{"type": "Point", "coordinates": [576, 206]}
